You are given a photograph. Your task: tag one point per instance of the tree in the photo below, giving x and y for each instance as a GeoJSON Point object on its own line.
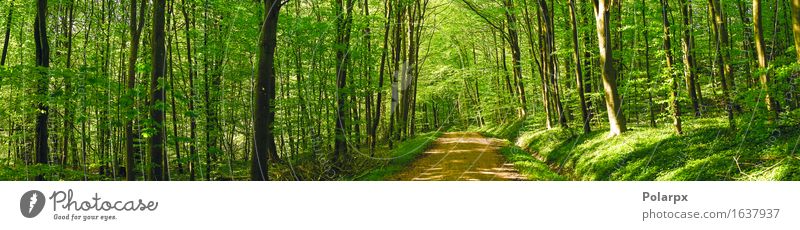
{"type": "Point", "coordinates": [578, 69]}
{"type": "Point", "coordinates": [42, 85]}
{"type": "Point", "coordinates": [795, 26]}
{"type": "Point", "coordinates": [616, 118]}
{"type": "Point", "coordinates": [721, 44]}
{"type": "Point", "coordinates": [157, 92]}
{"type": "Point", "coordinates": [7, 34]}
{"type": "Point", "coordinates": [344, 9]}
{"type": "Point", "coordinates": [136, 33]}
{"type": "Point", "coordinates": [264, 148]}
{"type": "Point", "coordinates": [762, 60]}
{"type": "Point", "coordinates": [676, 108]}
{"type": "Point", "coordinates": [687, 43]}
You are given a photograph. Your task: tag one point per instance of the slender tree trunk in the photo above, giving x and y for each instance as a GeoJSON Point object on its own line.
{"type": "Point", "coordinates": [676, 109]}
{"type": "Point", "coordinates": [343, 21]}
{"type": "Point", "coordinates": [136, 31]}
{"type": "Point", "coordinates": [516, 54]}
{"type": "Point", "coordinates": [578, 69]}
{"type": "Point", "coordinates": [192, 73]}
{"type": "Point", "coordinates": [650, 104]}
{"type": "Point", "coordinates": [720, 43]}
{"type": "Point", "coordinates": [382, 72]}
{"type": "Point", "coordinates": [616, 118]}
{"type": "Point", "coordinates": [688, 54]}
{"type": "Point", "coordinates": [7, 34]}
{"type": "Point", "coordinates": [795, 27]}
{"type": "Point", "coordinates": [264, 148]}
{"type": "Point", "coordinates": [762, 60]}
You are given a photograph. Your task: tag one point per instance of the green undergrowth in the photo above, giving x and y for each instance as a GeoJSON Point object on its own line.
{"type": "Point", "coordinates": [397, 159]}
{"type": "Point", "coordinates": [528, 165]}
{"type": "Point", "coordinates": [708, 150]}
{"type": "Point", "coordinates": [524, 161]}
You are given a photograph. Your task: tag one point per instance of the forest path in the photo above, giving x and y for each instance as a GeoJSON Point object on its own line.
{"type": "Point", "coordinates": [461, 156]}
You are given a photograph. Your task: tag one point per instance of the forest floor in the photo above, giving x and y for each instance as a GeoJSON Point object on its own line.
{"type": "Point", "coordinates": [461, 156]}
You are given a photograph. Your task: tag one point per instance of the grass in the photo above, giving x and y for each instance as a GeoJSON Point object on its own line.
{"type": "Point", "coordinates": [528, 165]}
{"type": "Point", "coordinates": [707, 150]}
{"type": "Point", "coordinates": [399, 158]}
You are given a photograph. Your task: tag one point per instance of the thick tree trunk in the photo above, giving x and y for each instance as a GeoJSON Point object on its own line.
{"type": "Point", "coordinates": [42, 60]}
{"type": "Point", "coordinates": [264, 148]}
{"type": "Point", "coordinates": [616, 118]}
{"type": "Point", "coordinates": [157, 92]}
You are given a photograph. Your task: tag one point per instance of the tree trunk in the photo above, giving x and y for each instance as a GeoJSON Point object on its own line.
{"type": "Point", "coordinates": [688, 55]}
{"type": "Point", "coordinates": [344, 8]}
{"type": "Point", "coordinates": [513, 40]}
{"type": "Point", "coordinates": [7, 34]}
{"type": "Point", "coordinates": [264, 148]}
{"type": "Point", "coordinates": [157, 92]}
{"type": "Point", "coordinates": [43, 83]}
{"type": "Point", "coordinates": [676, 108]}
{"type": "Point", "coordinates": [650, 104]}
{"type": "Point", "coordinates": [762, 60]}
{"type": "Point", "coordinates": [720, 43]}
{"type": "Point", "coordinates": [136, 31]}
{"type": "Point", "coordinates": [578, 69]}
{"type": "Point", "coordinates": [382, 72]}
{"type": "Point", "coordinates": [795, 27]}
{"type": "Point", "coordinates": [616, 118]}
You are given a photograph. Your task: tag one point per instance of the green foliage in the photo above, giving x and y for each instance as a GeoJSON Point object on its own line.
{"type": "Point", "coordinates": [399, 158]}
{"type": "Point", "coordinates": [528, 165]}
{"type": "Point", "coordinates": [708, 151]}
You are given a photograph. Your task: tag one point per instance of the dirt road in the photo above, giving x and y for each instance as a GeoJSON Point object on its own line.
{"type": "Point", "coordinates": [461, 156]}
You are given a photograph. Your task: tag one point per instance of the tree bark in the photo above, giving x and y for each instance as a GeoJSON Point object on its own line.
{"type": "Point", "coordinates": [762, 60]}
{"type": "Point", "coordinates": [264, 148]}
{"type": "Point", "coordinates": [676, 108]}
{"type": "Point", "coordinates": [43, 83]}
{"type": "Point", "coordinates": [157, 92]}
{"type": "Point", "coordinates": [795, 27]}
{"type": "Point", "coordinates": [725, 70]}
{"type": "Point", "coordinates": [7, 34]}
{"type": "Point", "coordinates": [616, 118]}
{"type": "Point", "coordinates": [578, 69]}
{"type": "Point", "coordinates": [687, 43]}
{"type": "Point", "coordinates": [344, 8]}
{"type": "Point", "coordinates": [136, 32]}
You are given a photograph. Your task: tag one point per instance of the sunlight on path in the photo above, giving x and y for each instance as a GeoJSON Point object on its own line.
{"type": "Point", "coordinates": [461, 156]}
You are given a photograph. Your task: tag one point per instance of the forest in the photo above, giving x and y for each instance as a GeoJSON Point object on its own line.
{"type": "Point", "coordinates": [219, 90]}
